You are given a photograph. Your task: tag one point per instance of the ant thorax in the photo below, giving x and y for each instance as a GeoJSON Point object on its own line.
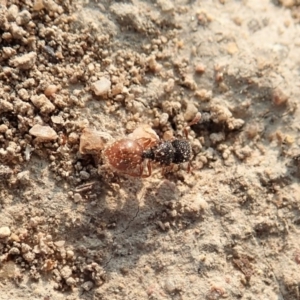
{"type": "Point", "coordinates": [182, 151]}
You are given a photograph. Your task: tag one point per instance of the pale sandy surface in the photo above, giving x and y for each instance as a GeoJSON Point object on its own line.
{"type": "Point", "coordinates": [229, 230]}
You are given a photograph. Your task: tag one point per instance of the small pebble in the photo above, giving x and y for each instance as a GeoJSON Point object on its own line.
{"type": "Point", "coordinates": [70, 254]}
{"type": "Point", "coordinates": [59, 244]}
{"type": "Point", "coordinates": [24, 62]}
{"type": "Point", "coordinates": [90, 142]}
{"type": "Point", "coordinates": [200, 68]}
{"type": "Point", "coordinates": [70, 281]}
{"type": "Point", "coordinates": [6, 106]}
{"type": "Point", "coordinates": [43, 104]}
{"type": "Point", "coordinates": [23, 177]}
{"type": "Point", "coordinates": [51, 90]}
{"type": "Point", "coordinates": [198, 203]}
{"type": "Point", "coordinates": [88, 285]}
{"type": "Point", "coordinates": [23, 94]}
{"type": "Point", "coordinates": [38, 5]}
{"type": "Point", "coordinates": [23, 17]}
{"type": "Point", "coordinates": [173, 213]}
{"type": "Point", "coordinates": [163, 120]}
{"type": "Point", "coordinates": [57, 119]}
{"type": "Point", "coordinates": [191, 111]}
{"type": "Point", "coordinates": [14, 237]}
{"type": "Point", "coordinates": [217, 137]}
{"type": "Point", "coordinates": [77, 198]}
{"type": "Point", "coordinates": [161, 225]}
{"type": "Point", "coordinates": [169, 85]}
{"type": "Point", "coordinates": [73, 138]}
{"type": "Point", "coordinates": [29, 256]}
{"type": "Point", "coordinates": [25, 248]}
{"type": "Point", "coordinates": [66, 272]}
{"type": "Point", "coordinates": [3, 128]}
{"type": "Point", "coordinates": [101, 87]}
{"type": "Point", "coordinates": [12, 12]}
{"type": "Point", "coordinates": [279, 97]}
{"type": "Point", "coordinates": [169, 285]}
{"type": "Point", "coordinates": [84, 175]}
{"type": "Point", "coordinates": [166, 5]}
{"type": "Point", "coordinates": [14, 251]}
{"type": "Point", "coordinates": [45, 133]}
{"type": "Point", "coordinates": [4, 232]}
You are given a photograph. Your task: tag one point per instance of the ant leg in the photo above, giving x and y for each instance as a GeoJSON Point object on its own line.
{"type": "Point", "coordinates": [117, 178]}
{"type": "Point", "coordinates": [167, 169]}
{"type": "Point", "coordinates": [196, 119]}
{"type": "Point", "coordinates": [186, 132]}
{"type": "Point", "coordinates": [132, 174]}
{"type": "Point", "coordinates": [149, 170]}
{"type": "Point", "coordinates": [140, 174]}
{"type": "Point", "coordinates": [189, 167]}
{"type": "Point", "coordinates": [141, 170]}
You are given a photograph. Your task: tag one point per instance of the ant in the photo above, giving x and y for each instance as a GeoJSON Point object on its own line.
{"type": "Point", "coordinates": [127, 155]}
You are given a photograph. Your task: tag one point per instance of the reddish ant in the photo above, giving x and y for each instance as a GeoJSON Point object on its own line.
{"type": "Point", "coordinates": [127, 155]}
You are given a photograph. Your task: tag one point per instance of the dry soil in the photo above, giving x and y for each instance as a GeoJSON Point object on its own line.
{"type": "Point", "coordinates": [70, 228]}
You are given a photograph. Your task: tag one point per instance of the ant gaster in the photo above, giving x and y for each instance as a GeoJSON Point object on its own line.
{"type": "Point", "coordinates": [125, 156]}
{"type": "Point", "coordinates": [128, 155]}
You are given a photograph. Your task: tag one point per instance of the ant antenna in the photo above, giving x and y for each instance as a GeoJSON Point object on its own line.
{"type": "Point", "coordinates": [196, 119]}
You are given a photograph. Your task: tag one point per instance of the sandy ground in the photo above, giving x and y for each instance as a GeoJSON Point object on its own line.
{"type": "Point", "coordinates": [70, 228]}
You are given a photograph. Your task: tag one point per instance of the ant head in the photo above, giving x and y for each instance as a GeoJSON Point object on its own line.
{"type": "Point", "coordinates": [182, 151]}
